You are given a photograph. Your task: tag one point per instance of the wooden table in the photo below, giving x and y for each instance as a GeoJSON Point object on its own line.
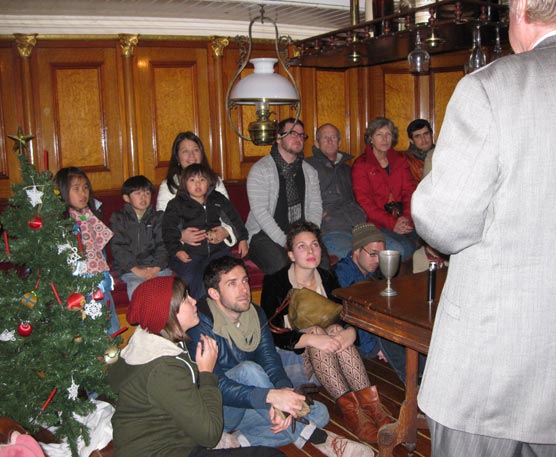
{"type": "Point", "coordinates": [406, 319]}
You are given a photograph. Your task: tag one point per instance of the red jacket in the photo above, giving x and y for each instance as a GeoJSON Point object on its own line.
{"type": "Point", "coordinates": [373, 187]}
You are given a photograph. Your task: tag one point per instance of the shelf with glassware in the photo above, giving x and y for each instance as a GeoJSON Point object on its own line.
{"type": "Point", "coordinates": [441, 26]}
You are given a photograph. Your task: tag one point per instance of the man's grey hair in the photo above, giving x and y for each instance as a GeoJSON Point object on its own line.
{"type": "Point", "coordinates": [543, 11]}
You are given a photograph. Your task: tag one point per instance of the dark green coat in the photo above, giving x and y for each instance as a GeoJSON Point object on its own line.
{"type": "Point", "coordinates": [165, 406]}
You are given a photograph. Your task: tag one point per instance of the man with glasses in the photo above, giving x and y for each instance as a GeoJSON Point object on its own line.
{"type": "Point", "coordinates": [282, 188]}
{"type": "Point", "coordinates": [340, 210]}
{"type": "Point", "coordinates": [362, 264]}
{"type": "Point", "coordinates": [421, 148]}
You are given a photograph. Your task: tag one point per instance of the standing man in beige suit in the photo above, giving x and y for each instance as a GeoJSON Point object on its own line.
{"type": "Point", "coordinates": [489, 387]}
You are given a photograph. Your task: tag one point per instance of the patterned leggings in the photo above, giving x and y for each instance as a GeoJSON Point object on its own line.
{"type": "Point", "coordinates": [339, 372]}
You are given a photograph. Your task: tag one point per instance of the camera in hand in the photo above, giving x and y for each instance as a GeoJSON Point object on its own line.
{"type": "Point", "coordinates": [394, 208]}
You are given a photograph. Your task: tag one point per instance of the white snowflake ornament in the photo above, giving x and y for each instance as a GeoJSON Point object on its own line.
{"type": "Point", "coordinates": [34, 195]}
{"type": "Point", "coordinates": [93, 309]}
{"type": "Point", "coordinates": [7, 335]}
{"type": "Point", "coordinates": [72, 390]}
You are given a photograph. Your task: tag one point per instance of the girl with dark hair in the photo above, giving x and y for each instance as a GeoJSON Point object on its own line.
{"type": "Point", "coordinates": [76, 191]}
{"type": "Point", "coordinates": [169, 405]}
{"type": "Point", "coordinates": [187, 150]}
{"type": "Point", "coordinates": [326, 355]}
{"type": "Point", "coordinates": [197, 205]}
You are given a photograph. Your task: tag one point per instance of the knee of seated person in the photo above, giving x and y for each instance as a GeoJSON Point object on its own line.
{"type": "Point", "coordinates": [250, 374]}
{"type": "Point", "coordinates": [319, 414]}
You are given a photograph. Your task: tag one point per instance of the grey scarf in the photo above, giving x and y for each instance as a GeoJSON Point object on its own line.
{"type": "Point", "coordinates": [288, 171]}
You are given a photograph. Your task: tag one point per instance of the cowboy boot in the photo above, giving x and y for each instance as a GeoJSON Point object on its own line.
{"type": "Point", "coordinates": [370, 403]}
{"type": "Point", "coordinates": [355, 419]}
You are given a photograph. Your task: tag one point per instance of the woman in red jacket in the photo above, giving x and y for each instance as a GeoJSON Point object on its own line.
{"type": "Point", "coordinates": [383, 186]}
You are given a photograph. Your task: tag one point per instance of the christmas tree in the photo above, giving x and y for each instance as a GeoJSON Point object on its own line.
{"type": "Point", "coordinates": [53, 337]}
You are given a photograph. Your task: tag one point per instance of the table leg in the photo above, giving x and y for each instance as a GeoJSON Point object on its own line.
{"type": "Point", "coordinates": [404, 430]}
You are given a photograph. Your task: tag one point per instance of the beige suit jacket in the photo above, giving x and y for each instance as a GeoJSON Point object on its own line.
{"type": "Point", "coordinates": [490, 202]}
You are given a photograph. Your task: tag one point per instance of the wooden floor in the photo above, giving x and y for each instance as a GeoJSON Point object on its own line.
{"type": "Point", "coordinates": [391, 392]}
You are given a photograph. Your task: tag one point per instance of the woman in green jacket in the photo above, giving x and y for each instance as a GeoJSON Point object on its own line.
{"type": "Point", "coordinates": [167, 404]}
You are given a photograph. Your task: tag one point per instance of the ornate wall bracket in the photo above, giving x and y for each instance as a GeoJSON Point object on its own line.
{"type": "Point", "coordinates": [128, 43]}
{"type": "Point", "coordinates": [25, 44]}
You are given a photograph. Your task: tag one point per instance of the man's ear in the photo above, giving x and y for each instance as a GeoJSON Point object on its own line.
{"type": "Point", "coordinates": [213, 293]}
{"type": "Point", "coordinates": [411, 141]}
{"type": "Point", "coordinates": [126, 198]}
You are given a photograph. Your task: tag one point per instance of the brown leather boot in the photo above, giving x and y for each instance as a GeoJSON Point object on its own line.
{"type": "Point", "coordinates": [356, 419]}
{"type": "Point", "coordinates": [370, 403]}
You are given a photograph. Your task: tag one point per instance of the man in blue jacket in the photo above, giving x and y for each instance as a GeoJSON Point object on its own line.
{"type": "Point", "coordinates": [255, 387]}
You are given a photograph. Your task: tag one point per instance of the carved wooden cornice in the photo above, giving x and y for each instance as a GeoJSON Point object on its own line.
{"type": "Point", "coordinates": [128, 43]}
{"type": "Point", "coordinates": [218, 44]}
{"type": "Point", "coordinates": [25, 43]}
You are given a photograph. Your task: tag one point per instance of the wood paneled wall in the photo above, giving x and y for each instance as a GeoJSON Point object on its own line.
{"type": "Point", "coordinates": [113, 106]}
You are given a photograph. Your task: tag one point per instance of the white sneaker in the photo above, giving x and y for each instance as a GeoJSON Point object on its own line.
{"type": "Point", "coordinates": [338, 446]}
{"type": "Point", "coordinates": [227, 441]}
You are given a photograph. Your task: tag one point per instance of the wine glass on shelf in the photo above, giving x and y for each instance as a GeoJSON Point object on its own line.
{"type": "Point", "coordinates": [389, 261]}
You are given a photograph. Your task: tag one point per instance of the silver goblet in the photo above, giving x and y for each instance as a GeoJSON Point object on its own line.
{"type": "Point", "coordinates": [389, 261]}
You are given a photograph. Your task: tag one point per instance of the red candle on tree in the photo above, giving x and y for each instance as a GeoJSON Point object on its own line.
{"type": "Point", "coordinates": [6, 243]}
{"type": "Point", "coordinates": [49, 399]}
{"type": "Point", "coordinates": [53, 287]}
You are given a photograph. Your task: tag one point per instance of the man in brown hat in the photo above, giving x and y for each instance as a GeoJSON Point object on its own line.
{"type": "Point", "coordinates": [362, 264]}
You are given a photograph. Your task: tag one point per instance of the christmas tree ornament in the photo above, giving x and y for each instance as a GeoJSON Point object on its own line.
{"type": "Point", "coordinates": [111, 355]}
{"type": "Point", "coordinates": [93, 309]}
{"type": "Point", "coordinates": [73, 390]}
{"type": "Point", "coordinates": [35, 223]}
{"type": "Point", "coordinates": [75, 301]}
{"type": "Point", "coordinates": [21, 141]}
{"type": "Point", "coordinates": [6, 243]}
{"type": "Point", "coordinates": [25, 329]}
{"type": "Point", "coordinates": [118, 332]}
{"type": "Point", "coordinates": [98, 295]}
{"type": "Point", "coordinates": [56, 191]}
{"type": "Point", "coordinates": [41, 374]}
{"type": "Point", "coordinates": [7, 335]}
{"type": "Point", "coordinates": [55, 292]}
{"type": "Point", "coordinates": [34, 195]}
{"type": "Point", "coordinates": [79, 242]}
{"type": "Point", "coordinates": [78, 339]}
{"type": "Point", "coordinates": [49, 399]}
{"type": "Point", "coordinates": [29, 299]}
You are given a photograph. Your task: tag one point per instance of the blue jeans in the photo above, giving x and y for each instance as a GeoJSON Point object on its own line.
{"type": "Point", "coordinates": [295, 368]}
{"type": "Point", "coordinates": [337, 243]}
{"type": "Point", "coordinates": [132, 280]}
{"type": "Point", "coordinates": [254, 424]}
{"type": "Point", "coordinates": [368, 347]}
{"type": "Point", "coordinates": [395, 354]}
{"type": "Point", "coordinates": [192, 272]}
{"type": "Point", "coordinates": [405, 244]}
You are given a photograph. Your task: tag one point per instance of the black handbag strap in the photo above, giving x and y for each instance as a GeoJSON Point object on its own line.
{"type": "Point", "coordinates": [274, 328]}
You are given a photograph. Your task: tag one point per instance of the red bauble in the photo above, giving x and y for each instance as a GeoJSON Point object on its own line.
{"type": "Point", "coordinates": [98, 295]}
{"type": "Point", "coordinates": [24, 329]}
{"type": "Point", "coordinates": [76, 301]}
{"type": "Point", "coordinates": [35, 223]}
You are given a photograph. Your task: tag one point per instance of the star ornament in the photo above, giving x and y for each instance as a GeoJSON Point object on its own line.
{"type": "Point", "coordinates": [34, 195]}
{"type": "Point", "coordinates": [21, 141]}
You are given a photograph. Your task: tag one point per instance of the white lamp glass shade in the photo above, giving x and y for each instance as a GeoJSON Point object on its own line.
{"type": "Point", "coordinates": [264, 85]}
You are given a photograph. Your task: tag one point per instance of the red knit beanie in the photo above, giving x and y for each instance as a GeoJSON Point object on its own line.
{"type": "Point", "coordinates": [150, 304]}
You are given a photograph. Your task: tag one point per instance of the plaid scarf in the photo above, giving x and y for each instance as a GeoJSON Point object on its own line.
{"type": "Point", "coordinates": [288, 172]}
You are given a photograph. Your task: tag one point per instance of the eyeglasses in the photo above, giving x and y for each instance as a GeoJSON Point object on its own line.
{"type": "Point", "coordinates": [370, 254]}
{"type": "Point", "coordinates": [295, 134]}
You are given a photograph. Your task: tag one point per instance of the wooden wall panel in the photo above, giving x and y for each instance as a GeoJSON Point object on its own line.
{"type": "Point", "coordinates": [78, 117]}
{"type": "Point", "coordinates": [444, 83]}
{"type": "Point", "coordinates": [400, 95]}
{"type": "Point", "coordinates": [172, 97]}
{"type": "Point", "coordinates": [331, 100]}
{"type": "Point", "coordinates": [9, 120]}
